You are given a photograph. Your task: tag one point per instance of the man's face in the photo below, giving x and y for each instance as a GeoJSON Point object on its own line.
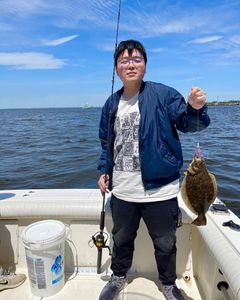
{"type": "Point", "coordinates": [131, 68]}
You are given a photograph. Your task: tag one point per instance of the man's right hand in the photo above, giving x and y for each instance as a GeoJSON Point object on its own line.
{"type": "Point", "coordinates": [103, 183]}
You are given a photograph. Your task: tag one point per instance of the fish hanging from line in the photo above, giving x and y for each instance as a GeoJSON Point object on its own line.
{"type": "Point", "coordinates": [199, 188]}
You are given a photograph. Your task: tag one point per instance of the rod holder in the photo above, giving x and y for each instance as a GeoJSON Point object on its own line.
{"type": "Point", "coordinates": [223, 287]}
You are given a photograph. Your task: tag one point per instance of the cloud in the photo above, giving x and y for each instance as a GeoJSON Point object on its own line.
{"type": "Point", "coordinates": [21, 8]}
{"type": "Point", "coordinates": [5, 27]}
{"type": "Point", "coordinates": [150, 25]}
{"type": "Point", "coordinates": [60, 41]}
{"type": "Point", "coordinates": [156, 50]}
{"type": "Point", "coordinates": [64, 12]}
{"type": "Point", "coordinates": [189, 79]}
{"type": "Point", "coordinates": [232, 55]}
{"type": "Point", "coordinates": [146, 20]}
{"type": "Point", "coordinates": [30, 61]}
{"type": "Point", "coordinates": [235, 39]}
{"type": "Point", "coordinates": [109, 46]}
{"type": "Point", "coordinates": [143, 20]}
{"type": "Point", "coordinates": [205, 40]}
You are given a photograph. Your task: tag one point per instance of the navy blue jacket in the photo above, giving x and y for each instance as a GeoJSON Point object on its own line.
{"type": "Point", "coordinates": [163, 110]}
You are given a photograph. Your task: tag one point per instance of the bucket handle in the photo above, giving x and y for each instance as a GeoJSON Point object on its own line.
{"type": "Point", "coordinates": [68, 231]}
{"type": "Point", "coordinates": [68, 234]}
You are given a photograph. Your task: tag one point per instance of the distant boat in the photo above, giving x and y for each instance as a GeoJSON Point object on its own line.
{"type": "Point", "coordinates": [86, 105]}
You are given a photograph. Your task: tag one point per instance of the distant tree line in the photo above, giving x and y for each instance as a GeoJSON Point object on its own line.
{"type": "Point", "coordinates": [229, 102]}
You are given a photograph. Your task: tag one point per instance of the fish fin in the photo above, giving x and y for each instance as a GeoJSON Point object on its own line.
{"type": "Point", "coordinates": [201, 220]}
{"type": "Point", "coordinates": [213, 178]}
{"type": "Point", "coordinates": [191, 171]}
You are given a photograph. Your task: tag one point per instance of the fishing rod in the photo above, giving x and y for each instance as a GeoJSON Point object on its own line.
{"type": "Point", "coordinates": [100, 238]}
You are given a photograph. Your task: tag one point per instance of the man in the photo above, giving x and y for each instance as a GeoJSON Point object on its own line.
{"type": "Point", "coordinates": [140, 162]}
{"type": "Point", "coordinates": [10, 280]}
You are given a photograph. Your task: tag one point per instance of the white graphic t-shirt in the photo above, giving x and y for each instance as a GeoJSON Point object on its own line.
{"type": "Point", "coordinates": [127, 180]}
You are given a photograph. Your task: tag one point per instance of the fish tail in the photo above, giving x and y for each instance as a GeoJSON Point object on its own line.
{"type": "Point", "coordinates": [201, 220]}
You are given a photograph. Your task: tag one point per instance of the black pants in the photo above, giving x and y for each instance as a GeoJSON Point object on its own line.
{"type": "Point", "coordinates": [161, 219]}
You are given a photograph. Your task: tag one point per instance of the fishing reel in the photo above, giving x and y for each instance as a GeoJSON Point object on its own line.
{"type": "Point", "coordinates": [99, 239]}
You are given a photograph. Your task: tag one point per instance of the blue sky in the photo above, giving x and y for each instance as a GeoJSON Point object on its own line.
{"type": "Point", "coordinates": [59, 53]}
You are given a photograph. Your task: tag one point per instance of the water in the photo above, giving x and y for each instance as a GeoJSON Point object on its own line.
{"type": "Point", "coordinates": [49, 148]}
{"type": "Point", "coordinates": [220, 146]}
{"type": "Point", "coordinates": [59, 148]}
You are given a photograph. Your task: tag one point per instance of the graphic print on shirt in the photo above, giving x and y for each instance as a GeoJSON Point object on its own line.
{"type": "Point", "coordinates": [126, 154]}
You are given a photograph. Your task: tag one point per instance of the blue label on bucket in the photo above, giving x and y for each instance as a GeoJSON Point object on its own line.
{"type": "Point", "coordinates": [57, 279]}
{"type": "Point", "coordinates": [57, 266]}
{"type": "Point", "coordinates": [57, 269]}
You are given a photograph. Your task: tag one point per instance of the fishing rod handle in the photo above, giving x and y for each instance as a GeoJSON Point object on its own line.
{"type": "Point", "coordinates": [99, 260]}
{"type": "Point", "coordinates": [102, 220]}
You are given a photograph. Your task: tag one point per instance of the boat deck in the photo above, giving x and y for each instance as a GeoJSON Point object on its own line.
{"type": "Point", "coordinates": [206, 255]}
{"type": "Point", "coordinates": [88, 287]}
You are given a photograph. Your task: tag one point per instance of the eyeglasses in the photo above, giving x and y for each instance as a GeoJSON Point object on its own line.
{"type": "Point", "coordinates": [126, 60]}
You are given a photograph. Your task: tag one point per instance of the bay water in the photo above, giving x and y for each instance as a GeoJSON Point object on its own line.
{"type": "Point", "coordinates": [56, 148]}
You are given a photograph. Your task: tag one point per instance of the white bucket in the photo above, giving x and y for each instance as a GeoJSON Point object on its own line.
{"type": "Point", "coordinates": [44, 244]}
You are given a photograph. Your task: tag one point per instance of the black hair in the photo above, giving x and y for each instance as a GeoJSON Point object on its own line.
{"type": "Point", "coordinates": [130, 45]}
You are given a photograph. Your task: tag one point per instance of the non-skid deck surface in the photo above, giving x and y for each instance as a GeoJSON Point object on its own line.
{"type": "Point", "coordinates": [88, 287]}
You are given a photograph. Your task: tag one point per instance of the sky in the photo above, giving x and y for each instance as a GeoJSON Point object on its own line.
{"type": "Point", "coordinates": [59, 53]}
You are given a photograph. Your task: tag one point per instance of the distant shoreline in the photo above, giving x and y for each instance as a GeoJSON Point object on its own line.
{"type": "Point", "coordinates": [209, 103]}
{"type": "Point", "coordinates": [218, 103]}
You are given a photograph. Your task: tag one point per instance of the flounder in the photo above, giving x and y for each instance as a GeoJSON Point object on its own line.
{"type": "Point", "coordinates": [199, 188]}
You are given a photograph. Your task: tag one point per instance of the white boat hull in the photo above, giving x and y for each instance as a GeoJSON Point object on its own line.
{"type": "Point", "coordinates": [206, 255]}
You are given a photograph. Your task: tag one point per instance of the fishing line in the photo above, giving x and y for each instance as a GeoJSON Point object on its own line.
{"type": "Point", "coordinates": [116, 42]}
{"type": "Point", "coordinates": [113, 76]}
{"type": "Point", "coordinates": [198, 133]}
{"type": "Point", "coordinates": [198, 150]}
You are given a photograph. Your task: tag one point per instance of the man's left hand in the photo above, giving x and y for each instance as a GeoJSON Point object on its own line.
{"type": "Point", "coordinates": [197, 97]}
